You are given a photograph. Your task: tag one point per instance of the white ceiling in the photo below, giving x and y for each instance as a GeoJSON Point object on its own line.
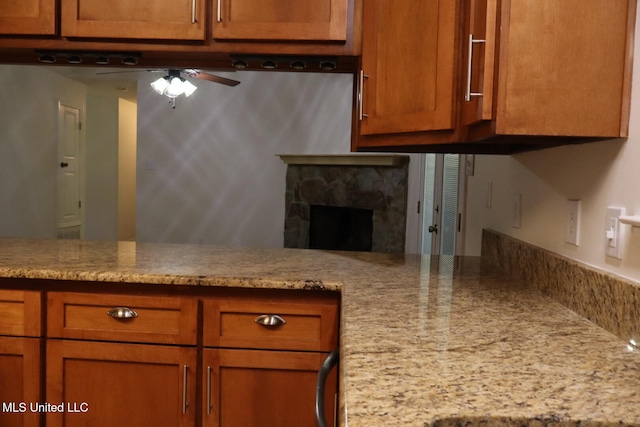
{"type": "Point", "coordinates": [121, 82]}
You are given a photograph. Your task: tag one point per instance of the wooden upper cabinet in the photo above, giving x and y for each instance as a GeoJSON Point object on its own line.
{"type": "Point", "coordinates": [550, 68]}
{"type": "Point", "coordinates": [478, 60]}
{"type": "Point", "coordinates": [292, 20]}
{"type": "Point", "coordinates": [517, 74]}
{"type": "Point", "coordinates": [124, 19]}
{"type": "Point", "coordinates": [407, 83]}
{"type": "Point", "coordinates": [28, 17]}
{"type": "Point", "coordinates": [565, 67]}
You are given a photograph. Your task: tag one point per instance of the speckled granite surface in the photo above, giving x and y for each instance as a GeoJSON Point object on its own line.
{"type": "Point", "coordinates": [424, 341]}
{"type": "Point", "coordinates": [610, 301]}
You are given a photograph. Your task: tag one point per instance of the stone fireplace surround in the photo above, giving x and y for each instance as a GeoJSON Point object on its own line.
{"type": "Point", "coordinates": [376, 182]}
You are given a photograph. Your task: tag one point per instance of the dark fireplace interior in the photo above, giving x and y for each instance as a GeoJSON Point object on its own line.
{"type": "Point", "coordinates": [340, 228]}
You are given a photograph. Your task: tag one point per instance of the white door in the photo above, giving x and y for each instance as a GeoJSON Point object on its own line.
{"type": "Point", "coordinates": [69, 172]}
{"type": "Point", "coordinates": [443, 205]}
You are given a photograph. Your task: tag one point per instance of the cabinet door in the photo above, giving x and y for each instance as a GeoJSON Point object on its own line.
{"type": "Point", "coordinates": [315, 20]}
{"type": "Point", "coordinates": [408, 55]}
{"type": "Point", "coordinates": [29, 17]}
{"type": "Point", "coordinates": [158, 19]}
{"type": "Point", "coordinates": [479, 40]}
{"type": "Point", "coordinates": [19, 381]}
{"type": "Point", "coordinates": [113, 384]}
{"type": "Point", "coordinates": [565, 67]}
{"type": "Point", "coordinates": [263, 388]}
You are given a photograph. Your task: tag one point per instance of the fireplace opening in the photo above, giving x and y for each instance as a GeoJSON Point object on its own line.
{"type": "Point", "coordinates": [340, 228]}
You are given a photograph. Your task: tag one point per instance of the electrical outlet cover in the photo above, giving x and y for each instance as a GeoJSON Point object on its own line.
{"type": "Point", "coordinates": [516, 211]}
{"type": "Point", "coordinates": [572, 225]}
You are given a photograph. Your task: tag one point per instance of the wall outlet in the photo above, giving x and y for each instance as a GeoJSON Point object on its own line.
{"type": "Point", "coordinates": [613, 232]}
{"type": "Point", "coordinates": [572, 224]}
{"type": "Point", "coordinates": [516, 211]}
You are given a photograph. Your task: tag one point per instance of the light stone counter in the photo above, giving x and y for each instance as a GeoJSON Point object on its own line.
{"type": "Point", "coordinates": [424, 341]}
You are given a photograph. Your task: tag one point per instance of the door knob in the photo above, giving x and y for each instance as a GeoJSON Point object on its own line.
{"type": "Point", "coordinates": [433, 228]}
{"type": "Point", "coordinates": [64, 164]}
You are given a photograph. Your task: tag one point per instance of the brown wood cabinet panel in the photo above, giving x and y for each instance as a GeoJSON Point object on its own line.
{"type": "Point", "coordinates": [121, 384]}
{"type": "Point", "coordinates": [479, 61]}
{"type": "Point", "coordinates": [565, 67]}
{"type": "Point", "coordinates": [20, 313]}
{"type": "Point", "coordinates": [312, 20]}
{"type": "Point", "coordinates": [266, 388]}
{"type": "Point", "coordinates": [19, 381]}
{"type": "Point", "coordinates": [232, 323]}
{"type": "Point", "coordinates": [161, 320]}
{"type": "Point", "coordinates": [159, 19]}
{"type": "Point", "coordinates": [408, 66]}
{"type": "Point", "coordinates": [28, 17]}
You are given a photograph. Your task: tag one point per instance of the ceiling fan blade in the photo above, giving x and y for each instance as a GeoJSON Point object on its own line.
{"type": "Point", "coordinates": [216, 79]}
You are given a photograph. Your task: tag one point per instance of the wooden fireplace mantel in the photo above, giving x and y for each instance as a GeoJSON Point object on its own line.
{"type": "Point", "coordinates": [345, 159]}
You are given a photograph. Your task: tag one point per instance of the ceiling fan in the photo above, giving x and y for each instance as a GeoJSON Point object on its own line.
{"type": "Point", "coordinates": [174, 84]}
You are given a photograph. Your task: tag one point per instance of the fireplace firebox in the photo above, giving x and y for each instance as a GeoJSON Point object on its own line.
{"type": "Point", "coordinates": [340, 228]}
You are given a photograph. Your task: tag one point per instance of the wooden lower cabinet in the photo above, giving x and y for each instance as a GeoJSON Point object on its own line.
{"type": "Point", "coordinates": [19, 381]}
{"type": "Point", "coordinates": [120, 384]}
{"type": "Point", "coordinates": [129, 360]}
{"type": "Point", "coordinates": [263, 388]}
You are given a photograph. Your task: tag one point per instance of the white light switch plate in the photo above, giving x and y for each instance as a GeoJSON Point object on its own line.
{"type": "Point", "coordinates": [613, 232]}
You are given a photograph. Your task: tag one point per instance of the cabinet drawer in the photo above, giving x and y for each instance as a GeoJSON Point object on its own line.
{"type": "Point", "coordinates": [20, 313]}
{"type": "Point", "coordinates": [161, 320]}
{"type": "Point", "coordinates": [235, 324]}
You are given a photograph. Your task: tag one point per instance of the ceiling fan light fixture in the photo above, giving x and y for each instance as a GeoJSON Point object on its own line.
{"type": "Point", "coordinates": [188, 88]}
{"type": "Point", "coordinates": [160, 85]}
{"type": "Point", "coordinates": [174, 89]}
{"type": "Point", "coordinates": [173, 86]}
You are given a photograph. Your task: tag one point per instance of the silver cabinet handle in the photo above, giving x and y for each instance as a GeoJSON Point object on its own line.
{"type": "Point", "coordinates": [468, 94]}
{"type": "Point", "coordinates": [219, 17]}
{"type": "Point", "coordinates": [361, 114]}
{"type": "Point", "coordinates": [193, 11]}
{"type": "Point", "coordinates": [209, 390]}
{"type": "Point", "coordinates": [185, 369]}
{"type": "Point", "coordinates": [270, 320]}
{"type": "Point", "coordinates": [122, 313]}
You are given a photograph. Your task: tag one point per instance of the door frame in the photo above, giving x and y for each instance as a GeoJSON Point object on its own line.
{"type": "Point", "coordinates": [416, 228]}
{"type": "Point", "coordinates": [61, 109]}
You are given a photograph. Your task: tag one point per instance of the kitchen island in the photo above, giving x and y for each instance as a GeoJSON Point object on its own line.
{"type": "Point", "coordinates": [424, 341]}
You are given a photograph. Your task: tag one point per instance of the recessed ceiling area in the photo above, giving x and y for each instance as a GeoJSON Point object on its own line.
{"type": "Point", "coordinates": [120, 82]}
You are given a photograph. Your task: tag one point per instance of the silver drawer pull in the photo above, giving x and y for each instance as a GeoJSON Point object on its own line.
{"type": "Point", "coordinates": [270, 320]}
{"type": "Point", "coordinates": [122, 313]}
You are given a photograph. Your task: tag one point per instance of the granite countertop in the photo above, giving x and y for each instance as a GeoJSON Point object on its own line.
{"type": "Point", "coordinates": [425, 341]}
